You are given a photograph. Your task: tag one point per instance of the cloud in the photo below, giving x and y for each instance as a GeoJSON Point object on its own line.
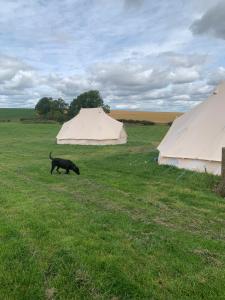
{"type": "Point", "coordinates": [212, 22]}
{"type": "Point", "coordinates": [140, 54]}
{"type": "Point", "coordinates": [184, 75]}
{"type": "Point", "coordinates": [184, 60]}
{"type": "Point", "coordinates": [15, 75]}
{"type": "Point", "coordinates": [127, 79]}
{"type": "Point", "coordinates": [133, 4]}
{"type": "Point", "coordinates": [20, 83]}
{"type": "Point", "coordinates": [216, 76]}
{"type": "Point", "coordinates": [72, 86]}
{"type": "Point", "coordinates": [151, 87]}
{"type": "Point", "coordinates": [173, 77]}
{"type": "Point", "coordinates": [127, 76]}
{"type": "Point", "coordinates": [9, 66]}
{"type": "Point", "coordinates": [169, 81]}
{"type": "Point", "coordinates": [22, 80]}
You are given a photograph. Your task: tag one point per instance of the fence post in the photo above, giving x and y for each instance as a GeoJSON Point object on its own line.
{"type": "Point", "coordinates": [220, 189]}
{"type": "Point", "coordinates": [223, 164]}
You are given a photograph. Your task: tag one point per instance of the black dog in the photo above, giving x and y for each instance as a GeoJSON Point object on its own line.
{"type": "Point", "coordinates": [63, 164]}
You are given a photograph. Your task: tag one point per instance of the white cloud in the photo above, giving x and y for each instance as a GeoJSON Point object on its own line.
{"type": "Point", "coordinates": [22, 80]}
{"type": "Point", "coordinates": [127, 106]}
{"type": "Point", "coordinates": [139, 85]}
{"type": "Point", "coordinates": [184, 75]}
{"type": "Point", "coordinates": [10, 66]}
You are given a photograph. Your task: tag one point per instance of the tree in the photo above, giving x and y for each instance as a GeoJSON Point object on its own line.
{"type": "Point", "coordinates": [48, 108]}
{"type": "Point", "coordinates": [88, 99]}
{"type": "Point", "coordinates": [43, 107]}
{"type": "Point", "coordinates": [106, 108]}
{"type": "Point", "coordinates": [59, 109]}
{"type": "Point", "coordinates": [59, 105]}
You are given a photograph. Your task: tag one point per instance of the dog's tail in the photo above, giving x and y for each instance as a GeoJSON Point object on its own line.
{"type": "Point", "coordinates": [50, 156]}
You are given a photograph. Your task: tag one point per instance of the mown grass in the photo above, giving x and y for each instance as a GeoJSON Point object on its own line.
{"type": "Point", "coordinates": [125, 228]}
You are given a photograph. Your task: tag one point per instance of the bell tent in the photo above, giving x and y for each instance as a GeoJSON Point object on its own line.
{"type": "Point", "coordinates": [195, 139]}
{"type": "Point", "coordinates": [92, 126]}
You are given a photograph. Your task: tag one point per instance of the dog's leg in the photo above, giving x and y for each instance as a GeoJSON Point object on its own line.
{"type": "Point", "coordinates": [53, 167]}
{"type": "Point", "coordinates": [58, 170]}
{"type": "Point", "coordinates": [67, 171]}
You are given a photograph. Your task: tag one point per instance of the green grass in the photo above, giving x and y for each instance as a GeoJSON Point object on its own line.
{"type": "Point", "coordinates": [125, 228]}
{"type": "Point", "coordinates": [14, 114]}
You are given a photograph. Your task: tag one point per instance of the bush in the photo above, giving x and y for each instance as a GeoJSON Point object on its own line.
{"type": "Point", "coordinates": [36, 121]}
{"type": "Point", "coordinates": [142, 122]}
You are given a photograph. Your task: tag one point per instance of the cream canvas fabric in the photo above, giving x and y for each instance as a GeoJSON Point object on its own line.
{"type": "Point", "coordinates": [195, 139]}
{"type": "Point", "coordinates": [92, 126]}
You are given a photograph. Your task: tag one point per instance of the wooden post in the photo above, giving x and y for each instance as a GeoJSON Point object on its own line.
{"type": "Point", "coordinates": [223, 164]}
{"type": "Point", "coordinates": [221, 187]}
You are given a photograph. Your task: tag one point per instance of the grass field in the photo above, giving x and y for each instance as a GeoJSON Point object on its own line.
{"type": "Point", "coordinates": [16, 113]}
{"type": "Point", "coordinates": [157, 117]}
{"type": "Point", "coordinates": [125, 228]}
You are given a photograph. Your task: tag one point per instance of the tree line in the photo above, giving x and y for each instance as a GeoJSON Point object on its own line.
{"type": "Point", "coordinates": [58, 110]}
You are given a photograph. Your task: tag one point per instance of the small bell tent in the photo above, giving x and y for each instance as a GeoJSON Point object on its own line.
{"type": "Point", "coordinates": [92, 126]}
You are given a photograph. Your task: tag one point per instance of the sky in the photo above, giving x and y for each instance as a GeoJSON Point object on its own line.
{"type": "Point", "coordinates": [141, 55]}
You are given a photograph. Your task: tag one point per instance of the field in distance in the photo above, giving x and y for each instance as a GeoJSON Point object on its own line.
{"type": "Point", "coordinates": [156, 117]}
{"type": "Point", "coordinates": [14, 114]}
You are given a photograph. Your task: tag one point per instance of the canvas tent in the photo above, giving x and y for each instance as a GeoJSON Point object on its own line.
{"type": "Point", "coordinates": [92, 126]}
{"type": "Point", "coordinates": [195, 139]}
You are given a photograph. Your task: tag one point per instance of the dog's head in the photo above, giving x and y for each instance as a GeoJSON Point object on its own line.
{"type": "Point", "coordinates": [76, 169]}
